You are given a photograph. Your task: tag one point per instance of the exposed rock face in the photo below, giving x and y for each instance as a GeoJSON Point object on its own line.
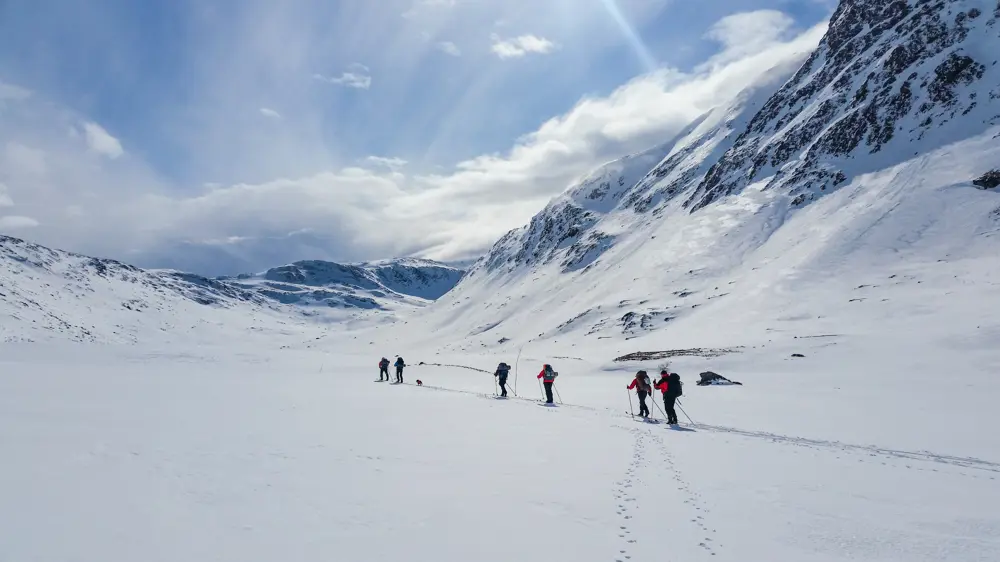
{"type": "Point", "coordinates": [989, 180]}
{"type": "Point", "coordinates": [888, 75]}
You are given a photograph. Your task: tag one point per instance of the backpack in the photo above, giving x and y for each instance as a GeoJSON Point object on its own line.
{"type": "Point", "coordinates": [645, 384]}
{"type": "Point", "coordinates": [674, 385]}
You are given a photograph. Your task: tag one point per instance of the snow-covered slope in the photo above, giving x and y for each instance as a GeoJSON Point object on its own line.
{"type": "Point", "coordinates": [891, 80]}
{"type": "Point", "coordinates": [893, 120]}
{"type": "Point", "coordinates": [582, 223]}
{"type": "Point", "coordinates": [377, 285]}
{"type": "Point", "coordinates": [51, 294]}
{"type": "Point", "coordinates": [48, 294]}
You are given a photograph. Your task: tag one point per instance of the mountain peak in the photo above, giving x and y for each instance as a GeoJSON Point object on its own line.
{"type": "Point", "coordinates": [889, 80]}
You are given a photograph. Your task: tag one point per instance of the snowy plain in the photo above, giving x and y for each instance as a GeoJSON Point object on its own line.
{"type": "Point", "coordinates": [115, 453]}
{"type": "Point", "coordinates": [146, 416]}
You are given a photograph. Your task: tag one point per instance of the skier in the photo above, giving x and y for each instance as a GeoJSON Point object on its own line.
{"type": "Point", "coordinates": [644, 388]}
{"type": "Point", "coordinates": [548, 377]}
{"type": "Point", "coordinates": [501, 373]}
{"type": "Point", "coordinates": [399, 369]}
{"type": "Point", "coordinates": [383, 369]}
{"type": "Point", "coordinates": [670, 385]}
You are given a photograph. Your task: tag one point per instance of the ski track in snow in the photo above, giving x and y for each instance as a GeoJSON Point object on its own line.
{"type": "Point", "coordinates": [820, 444]}
{"type": "Point", "coordinates": [871, 450]}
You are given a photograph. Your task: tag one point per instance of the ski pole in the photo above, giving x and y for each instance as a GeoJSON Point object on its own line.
{"type": "Point", "coordinates": [657, 404]}
{"type": "Point", "coordinates": [540, 391]}
{"type": "Point", "coordinates": [685, 413]}
{"type": "Point", "coordinates": [630, 410]}
{"type": "Point", "coordinates": [517, 362]}
{"type": "Point", "coordinates": [496, 392]}
{"type": "Point", "coordinates": [557, 392]}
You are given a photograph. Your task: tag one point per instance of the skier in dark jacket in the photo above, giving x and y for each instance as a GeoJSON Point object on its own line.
{"type": "Point", "coordinates": [399, 369]}
{"type": "Point", "coordinates": [643, 388]}
{"type": "Point", "coordinates": [548, 377]}
{"type": "Point", "coordinates": [670, 385]}
{"type": "Point", "coordinates": [383, 369]}
{"type": "Point", "coordinates": [501, 373]}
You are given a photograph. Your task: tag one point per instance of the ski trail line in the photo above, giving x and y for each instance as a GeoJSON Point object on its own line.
{"type": "Point", "coordinates": [924, 456]}
{"type": "Point", "coordinates": [964, 462]}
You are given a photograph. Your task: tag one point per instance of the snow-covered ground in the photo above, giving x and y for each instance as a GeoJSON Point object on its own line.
{"type": "Point", "coordinates": [233, 452]}
{"type": "Point", "coordinates": [822, 242]}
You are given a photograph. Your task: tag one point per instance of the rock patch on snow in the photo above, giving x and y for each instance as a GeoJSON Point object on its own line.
{"type": "Point", "coordinates": [695, 352]}
{"type": "Point", "coordinates": [989, 180]}
{"type": "Point", "coordinates": [708, 378]}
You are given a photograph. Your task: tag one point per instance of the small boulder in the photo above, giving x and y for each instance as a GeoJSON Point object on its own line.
{"type": "Point", "coordinates": [708, 378]}
{"type": "Point", "coordinates": [989, 180]}
{"type": "Point", "coordinates": [798, 355]}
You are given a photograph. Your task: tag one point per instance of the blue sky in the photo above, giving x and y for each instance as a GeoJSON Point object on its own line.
{"type": "Point", "coordinates": [220, 135]}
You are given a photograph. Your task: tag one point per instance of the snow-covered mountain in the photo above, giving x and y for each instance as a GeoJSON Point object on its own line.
{"type": "Point", "coordinates": [51, 294]}
{"type": "Point", "coordinates": [877, 147]}
{"type": "Point", "coordinates": [579, 225]}
{"type": "Point", "coordinates": [891, 80]}
{"type": "Point", "coordinates": [376, 285]}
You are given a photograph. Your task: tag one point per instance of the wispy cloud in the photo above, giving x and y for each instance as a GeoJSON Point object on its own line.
{"type": "Point", "coordinates": [449, 48]}
{"type": "Point", "coordinates": [16, 222]}
{"type": "Point", "coordinates": [101, 142]}
{"type": "Point", "coordinates": [746, 33]}
{"type": "Point", "coordinates": [520, 46]}
{"type": "Point", "coordinates": [317, 208]}
{"type": "Point", "coordinates": [382, 161]}
{"type": "Point", "coordinates": [420, 6]}
{"type": "Point", "coordinates": [5, 200]}
{"type": "Point", "coordinates": [270, 113]}
{"type": "Point", "coordinates": [12, 92]}
{"type": "Point", "coordinates": [356, 76]}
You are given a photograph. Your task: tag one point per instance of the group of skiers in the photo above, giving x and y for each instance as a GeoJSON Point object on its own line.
{"type": "Point", "coordinates": [383, 369]}
{"type": "Point", "coordinates": [669, 384]}
{"type": "Point", "coordinates": [547, 376]}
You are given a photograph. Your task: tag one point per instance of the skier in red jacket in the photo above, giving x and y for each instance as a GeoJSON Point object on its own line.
{"type": "Point", "coordinates": [641, 381]}
{"type": "Point", "coordinates": [383, 369]}
{"type": "Point", "coordinates": [548, 377]}
{"type": "Point", "coordinates": [670, 385]}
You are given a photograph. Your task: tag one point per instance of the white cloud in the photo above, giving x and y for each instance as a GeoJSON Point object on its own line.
{"type": "Point", "coordinates": [14, 222]}
{"type": "Point", "coordinates": [382, 161]}
{"type": "Point", "coordinates": [746, 33]}
{"type": "Point", "coordinates": [449, 48]}
{"type": "Point", "coordinates": [24, 160]}
{"type": "Point", "coordinates": [270, 113]}
{"type": "Point", "coordinates": [356, 76]}
{"type": "Point", "coordinates": [5, 200]}
{"type": "Point", "coordinates": [420, 6]}
{"type": "Point", "coordinates": [520, 46]}
{"type": "Point", "coordinates": [101, 142]}
{"type": "Point", "coordinates": [12, 92]}
{"type": "Point", "coordinates": [357, 213]}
